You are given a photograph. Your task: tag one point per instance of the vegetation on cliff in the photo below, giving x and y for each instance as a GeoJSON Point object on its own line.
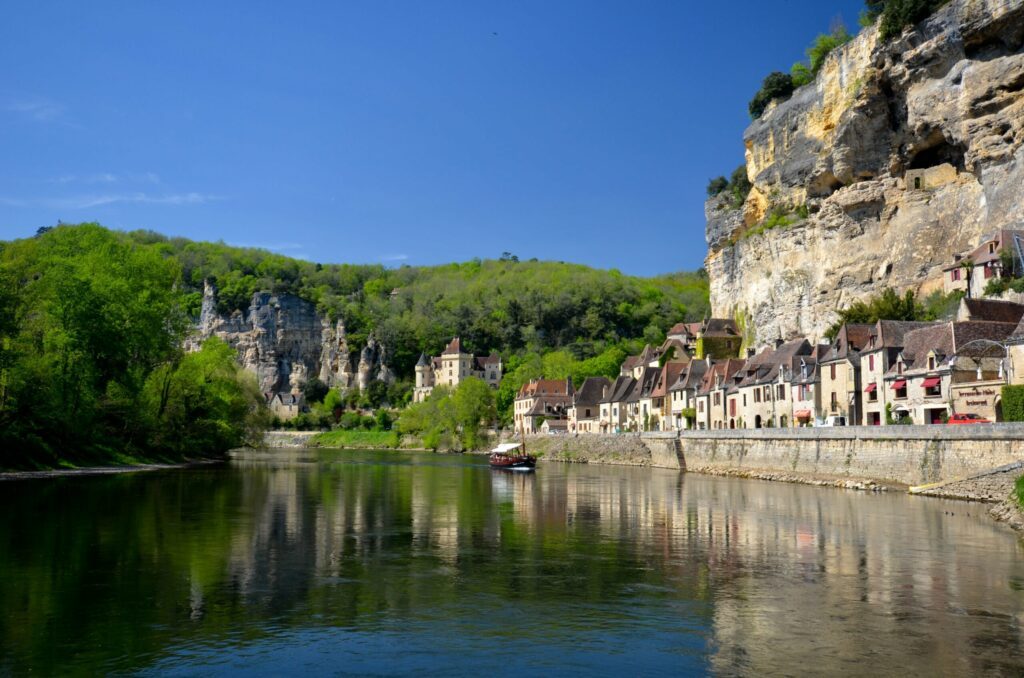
{"type": "Point", "coordinates": [888, 305]}
{"type": "Point", "coordinates": [898, 14]}
{"type": "Point", "coordinates": [509, 306]}
{"type": "Point", "coordinates": [91, 365]}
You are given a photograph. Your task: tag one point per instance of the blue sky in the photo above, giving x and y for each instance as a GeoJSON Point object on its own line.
{"type": "Point", "coordinates": [394, 132]}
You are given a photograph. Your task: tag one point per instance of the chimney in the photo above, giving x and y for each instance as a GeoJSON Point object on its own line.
{"type": "Point", "coordinates": [751, 353]}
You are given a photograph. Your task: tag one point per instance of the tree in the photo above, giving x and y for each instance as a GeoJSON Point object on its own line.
{"type": "Point", "coordinates": [885, 306]}
{"type": "Point", "coordinates": [776, 85]}
{"type": "Point", "coordinates": [717, 185]}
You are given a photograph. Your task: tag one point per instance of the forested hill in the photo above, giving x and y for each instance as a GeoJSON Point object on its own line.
{"type": "Point", "coordinates": [504, 305]}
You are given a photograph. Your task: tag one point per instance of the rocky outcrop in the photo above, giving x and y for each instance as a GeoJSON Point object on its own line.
{"type": "Point", "coordinates": [285, 342]}
{"type": "Point", "coordinates": [900, 154]}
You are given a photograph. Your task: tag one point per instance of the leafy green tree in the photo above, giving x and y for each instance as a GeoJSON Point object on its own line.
{"type": "Point", "coordinates": [776, 85]}
{"type": "Point", "coordinates": [888, 305]}
{"type": "Point", "coordinates": [717, 185]}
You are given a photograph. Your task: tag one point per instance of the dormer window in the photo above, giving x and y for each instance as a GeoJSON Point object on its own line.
{"type": "Point", "coordinates": [899, 367]}
{"type": "Point", "coordinates": [931, 362]}
{"type": "Point", "coordinates": [991, 248]}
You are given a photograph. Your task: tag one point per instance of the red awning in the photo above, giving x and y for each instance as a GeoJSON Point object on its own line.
{"type": "Point", "coordinates": [802, 414]}
{"type": "Point", "coordinates": [871, 387]}
{"type": "Point", "coordinates": [898, 384]}
{"type": "Point", "coordinates": [932, 382]}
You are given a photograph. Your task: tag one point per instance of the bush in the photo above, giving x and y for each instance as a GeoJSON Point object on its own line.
{"type": "Point", "coordinates": [717, 185]}
{"type": "Point", "coordinates": [898, 14]}
{"type": "Point", "coordinates": [777, 85]}
{"type": "Point", "coordinates": [1013, 403]}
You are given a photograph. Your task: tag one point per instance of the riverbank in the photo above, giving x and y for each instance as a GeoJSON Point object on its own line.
{"type": "Point", "coordinates": [106, 470]}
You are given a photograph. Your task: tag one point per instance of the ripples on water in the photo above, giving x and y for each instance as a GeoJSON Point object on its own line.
{"type": "Point", "coordinates": [396, 563]}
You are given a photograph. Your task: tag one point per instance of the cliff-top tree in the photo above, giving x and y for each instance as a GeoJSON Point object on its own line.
{"type": "Point", "coordinates": [898, 14]}
{"type": "Point", "coordinates": [777, 85]}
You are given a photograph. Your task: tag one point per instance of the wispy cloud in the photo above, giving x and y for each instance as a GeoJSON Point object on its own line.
{"type": "Point", "coordinates": [109, 178]}
{"type": "Point", "coordinates": [38, 109]}
{"type": "Point", "coordinates": [99, 200]}
{"type": "Point", "coordinates": [394, 257]}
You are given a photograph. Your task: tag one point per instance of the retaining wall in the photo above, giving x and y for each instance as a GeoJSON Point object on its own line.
{"type": "Point", "coordinates": [894, 455]}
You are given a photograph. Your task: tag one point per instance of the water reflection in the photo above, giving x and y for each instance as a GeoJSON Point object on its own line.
{"type": "Point", "coordinates": [392, 562]}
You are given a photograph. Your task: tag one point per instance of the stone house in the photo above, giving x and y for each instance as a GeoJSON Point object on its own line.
{"type": "Point", "coordinates": [285, 406]}
{"type": "Point", "coordinates": [554, 426]}
{"type": "Point", "coordinates": [641, 409]}
{"type": "Point", "coordinates": [614, 415]}
{"type": "Point", "coordinates": [711, 395]}
{"type": "Point", "coordinates": [718, 338]}
{"type": "Point", "coordinates": [452, 367]}
{"type": "Point", "coordinates": [682, 395]}
{"type": "Point", "coordinates": [805, 388]}
{"type": "Point", "coordinates": [684, 335]}
{"type": "Point", "coordinates": [919, 380]}
{"type": "Point", "coordinates": [1015, 353]}
{"type": "Point", "coordinates": [661, 415]}
{"type": "Point", "coordinates": [585, 413]}
{"type": "Point", "coordinates": [635, 365]}
{"type": "Point", "coordinates": [539, 400]}
{"type": "Point", "coordinates": [884, 344]}
{"type": "Point", "coordinates": [839, 372]}
{"type": "Point", "coordinates": [766, 389]}
{"type": "Point", "coordinates": [971, 272]}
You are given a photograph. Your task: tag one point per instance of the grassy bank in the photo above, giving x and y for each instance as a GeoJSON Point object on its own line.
{"type": "Point", "coordinates": [357, 439]}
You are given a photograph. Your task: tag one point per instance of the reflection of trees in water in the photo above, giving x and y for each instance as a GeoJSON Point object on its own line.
{"type": "Point", "coordinates": [159, 561]}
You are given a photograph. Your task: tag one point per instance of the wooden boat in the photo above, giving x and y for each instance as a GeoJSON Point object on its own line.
{"type": "Point", "coordinates": [512, 457]}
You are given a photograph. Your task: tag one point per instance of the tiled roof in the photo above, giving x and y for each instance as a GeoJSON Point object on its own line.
{"type": "Point", "coordinates": [724, 369]}
{"type": "Point", "coordinates": [946, 339]}
{"type": "Point", "coordinates": [890, 333]}
{"type": "Point", "coordinates": [546, 387]}
{"type": "Point", "coordinates": [645, 384]}
{"type": "Point", "coordinates": [592, 391]}
{"type": "Point", "coordinates": [852, 338]}
{"type": "Point", "coordinates": [482, 362]}
{"type": "Point", "coordinates": [691, 376]}
{"type": "Point", "coordinates": [981, 255]}
{"type": "Point", "coordinates": [454, 347]}
{"type": "Point", "coordinates": [668, 376]}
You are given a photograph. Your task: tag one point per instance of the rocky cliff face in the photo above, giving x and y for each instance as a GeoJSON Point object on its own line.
{"type": "Point", "coordinates": [900, 154]}
{"type": "Point", "coordinates": [285, 342]}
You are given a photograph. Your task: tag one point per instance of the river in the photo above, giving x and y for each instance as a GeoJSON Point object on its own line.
{"type": "Point", "coordinates": [386, 563]}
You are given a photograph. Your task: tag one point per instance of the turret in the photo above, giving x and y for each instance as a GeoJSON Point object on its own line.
{"type": "Point", "coordinates": [421, 371]}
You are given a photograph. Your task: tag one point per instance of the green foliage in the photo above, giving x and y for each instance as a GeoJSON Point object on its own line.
{"type": "Point", "coordinates": [717, 185]}
{"type": "Point", "coordinates": [356, 439]}
{"type": "Point", "coordinates": [940, 306]}
{"type": "Point", "coordinates": [451, 419]}
{"type": "Point", "coordinates": [888, 305]}
{"type": "Point", "coordinates": [777, 85]}
{"type": "Point", "coordinates": [505, 305]}
{"type": "Point", "coordinates": [822, 46]}
{"type": "Point", "coordinates": [801, 74]}
{"type": "Point", "coordinates": [91, 358]}
{"type": "Point", "coordinates": [1013, 403]}
{"type": "Point", "coordinates": [898, 14]}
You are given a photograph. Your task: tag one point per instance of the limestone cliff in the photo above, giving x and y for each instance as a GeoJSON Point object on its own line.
{"type": "Point", "coordinates": [899, 155]}
{"type": "Point", "coordinates": [285, 342]}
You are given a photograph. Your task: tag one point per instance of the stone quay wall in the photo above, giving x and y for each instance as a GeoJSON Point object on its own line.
{"type": "Point", "coordinates": [888, 455]}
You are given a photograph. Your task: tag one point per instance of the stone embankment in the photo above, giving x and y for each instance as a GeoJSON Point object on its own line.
{"type": "Point", "coordinates": [281, 439]}
{"type": "Point", "coordinates": [958, 461]}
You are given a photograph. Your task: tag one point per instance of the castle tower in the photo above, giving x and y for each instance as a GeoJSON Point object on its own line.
{"type": "Point", "coordinates": [421, 371]}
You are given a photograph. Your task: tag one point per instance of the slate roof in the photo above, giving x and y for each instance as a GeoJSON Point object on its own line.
{"type": "Point", "coordinates": [725, 369]}
{"type": "Point", "coordinates": [890, 333]}
{"type": "Point", "coordinates": [691, 376]}
{"type": "Point", "coordinates": [482, 362]}
{"type": "Point", "coordinates": [592, 391]}
{"type": "Point", "coordinates": [668, 376]}
{"type": "Point", "coordinates": [422, 362]}
{"type": "Point", "coordinates": [644, 385]}
{"type": "Point", "coordinates": [620, 389]}
{"type": "Point", "coordinates": [994, 310]}
{"type": "Point", "coordinates": [852, 338]}
{"type": "Point", "coordinates": [945, 340]}
{"type": "Point", "coordinates": [720, 327]}
{"type": "Point", "coordinates": [684, 329]}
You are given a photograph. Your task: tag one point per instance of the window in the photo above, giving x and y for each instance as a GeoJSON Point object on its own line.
{"type": "Point", "coordinates": [931, 363]}
{"type": "Point", "coordinates": [991, 248]}
{"type": "Point", "coordinates": [832, 371]}
{"type": "Point", "coordinates": [901, 392]}
{"type": "Point", "coordinates": [989, 270]}
{"type": "Point", "coordinates": [744, 400]}
{"type": "Point", "coordinates": [732, 407]}
{"type": "Point", "coordinates": [954, 275]}
{"type": "Point", "coordinates": [835, 401]}
{"type": "Point", "coordinates": [718, 399]}
{"type": "Point", "coordinates": [782, 391]}
{"type": "Point", "coordinates": [917, 183]}
{"type": "Point", "coordinates": [871, 362]}
{"type": "Point", "coordinates": [757, 397]}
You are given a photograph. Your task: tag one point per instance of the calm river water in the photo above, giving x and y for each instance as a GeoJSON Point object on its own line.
{"type": "Point", "coordinates": [386, 563]}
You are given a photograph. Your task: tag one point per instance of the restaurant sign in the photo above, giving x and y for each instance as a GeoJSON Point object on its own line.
{"type": "Point", "coordinates": [977, 398]}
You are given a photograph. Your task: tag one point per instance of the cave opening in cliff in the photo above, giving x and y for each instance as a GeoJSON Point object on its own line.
{"type": "Point", "coordinates": [937, 150]}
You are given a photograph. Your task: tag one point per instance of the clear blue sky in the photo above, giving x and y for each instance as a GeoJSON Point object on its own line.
{"type": "Point", "coordinates": [396, 132]}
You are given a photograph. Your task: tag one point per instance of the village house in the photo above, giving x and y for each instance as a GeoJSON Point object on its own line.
{"type": "Point", "coordinates": [641, 401]}
{"type": "Point", "coordinates": [805, 388]}
{"type": "Point", "coordinates": [285, 406]}
{"type": "Point", "coordinates": [635, 365]}
{"type": "Point", "coordinates": [839, 372]}
{"type": "Point", "coordinates": [877, 357]}
{"type": "Point", "coordinates": [585, 413]}
{"type": "Point", "coordinates": [661, 415]}
{"type": "Point", "coordinates": [683, 395]}
{"type": "Point", "coordinates": [1015, 354]}
{"type": "Point", "coordinates": [681, 340]}
{"type": "Point", "coordinates": [765, 387]}
{"type": "Point", "coordinates": [710, 396]}
{"type": "Point", "coordinates": [971, 272]}
{"type": "Point", "coordinates": [540, 400]}
{"type": "Point", "coordinates": [921, 375]}
{"type": "Point", "coordinates": [452, 367]}
{"type": "Point", "coordinates": [614, 414]}
{"type": "Point", "coordinates": [719, 338]}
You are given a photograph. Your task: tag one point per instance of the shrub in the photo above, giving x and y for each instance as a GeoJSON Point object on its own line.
{"type": "Point", "coordinates": [898, 14]}
{"type": "Point", "coordinates": [717, 185]}
{"type": "Point", "coordinates": [1018, 491]}
{"type": "Point", "coordinates": [1013, 403]}
{"type": "Point", "coordinates": [823, 46]}
{"type": "Point", "coordinates": [777, 85]}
